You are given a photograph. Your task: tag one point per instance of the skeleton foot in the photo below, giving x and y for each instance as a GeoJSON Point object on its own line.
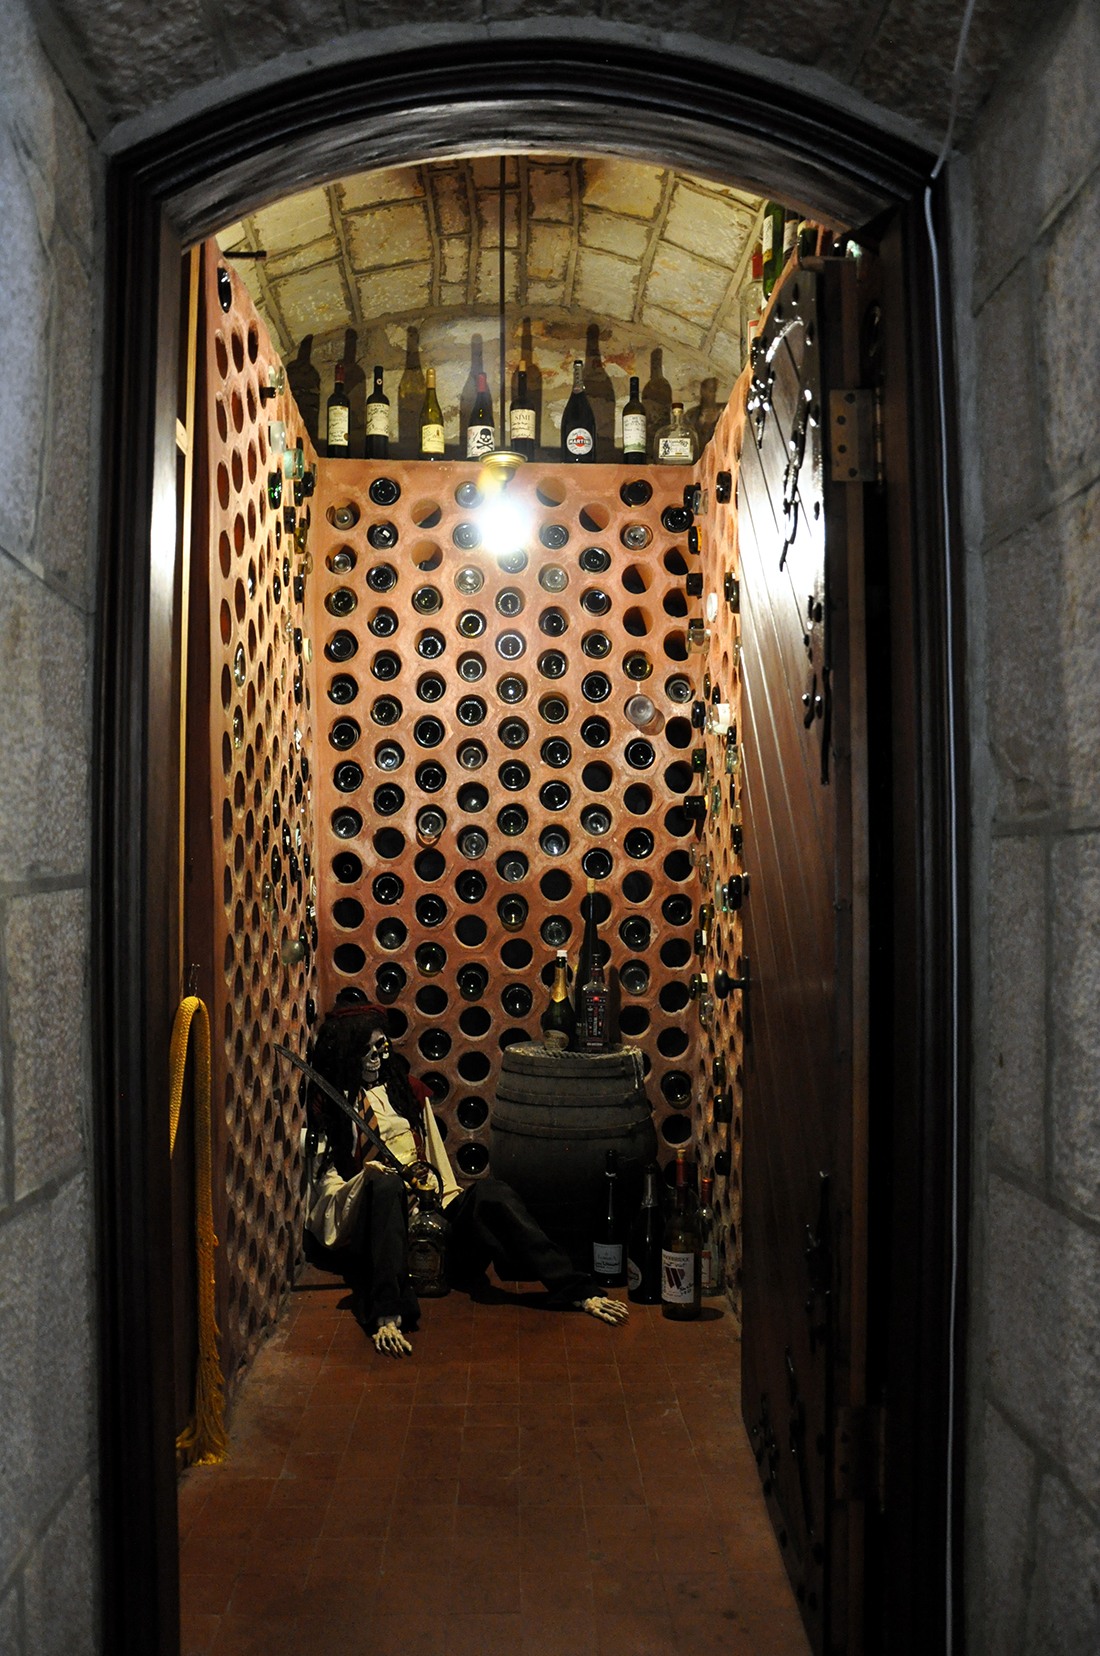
{"type": "Point", "coordinates": [389, 1338]}
{"type": "Point", "coordinates": [605, 1309]}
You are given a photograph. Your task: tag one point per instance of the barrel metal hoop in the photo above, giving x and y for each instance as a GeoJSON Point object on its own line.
{"type": "Point", "coordinates": [563, 1134]}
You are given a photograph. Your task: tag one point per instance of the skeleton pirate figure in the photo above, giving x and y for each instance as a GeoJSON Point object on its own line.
{"type": "Point", "coordinates": [357, 1220]}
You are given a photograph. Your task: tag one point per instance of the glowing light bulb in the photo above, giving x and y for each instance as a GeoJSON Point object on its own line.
{"type": "Point", "coordinates": [504, 526]}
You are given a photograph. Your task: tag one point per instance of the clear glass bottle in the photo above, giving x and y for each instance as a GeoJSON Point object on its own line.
{"type": "Point", "coordinates": [675, 443]}
{"type": "Point", "coordinates": [681, 1250]}
{"type": "Point", "coordinates": [710, 1242]}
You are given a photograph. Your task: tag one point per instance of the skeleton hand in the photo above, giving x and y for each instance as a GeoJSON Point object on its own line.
{"type": "Point", "coordinates": [388, 1338]}
{"type": "Point", "coordinates": [605, 1309]}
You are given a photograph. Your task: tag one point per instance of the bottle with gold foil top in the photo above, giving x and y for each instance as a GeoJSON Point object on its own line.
{"type": "Point", "coordinates": [559, 1017]}
{"type": "Point", "coordinates": [593, 1000]}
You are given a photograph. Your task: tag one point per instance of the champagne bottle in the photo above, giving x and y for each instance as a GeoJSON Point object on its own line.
{"type": "Point", "coordinates": [337, 418]}
{"type": "Point", "coordinates": [680, 1251]}
{"type": "Point", "coordinates": [772, 237]}
{"type": "Point", "coordinates": [521, 421]}
{"type": "Point", "coordinates": [634, 425]}
{"type": "Point", "coordinates": [378, 421]}
{"type": "Point", "coordinates": [480, 437]}
{"type": "Point", "coordinates": [559, 1014]}
{"type": "Point", "coordinates": [643, 1270]}
{"type": "Point", "coordinates": [608, 1264]}
{"type": "Point", "coordinates": [578, 423]}
{"type": "Point", "coordinates": [674, 444]}
{"type": "Point", "coordinates": [594, 1007]}
{"type": "Point", "coordinates": [431, 421]}
{"type": "Point", "coordinates": [710, 1255]}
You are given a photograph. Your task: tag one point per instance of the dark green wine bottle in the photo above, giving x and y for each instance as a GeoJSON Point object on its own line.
{"type": "Point", "coordinates": [559, 1012]}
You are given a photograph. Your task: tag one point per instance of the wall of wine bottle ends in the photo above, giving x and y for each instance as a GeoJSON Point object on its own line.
{"type": "Point", "coordinates": [515, 691]}
{"type": "Point", "coordinates": [256, 873]}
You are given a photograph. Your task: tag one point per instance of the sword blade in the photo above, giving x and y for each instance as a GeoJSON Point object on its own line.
{"type": "Point", "coordinates": [341, 1102]}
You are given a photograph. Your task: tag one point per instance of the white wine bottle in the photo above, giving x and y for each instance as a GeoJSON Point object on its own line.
{"type": "Point", "coordinates": [431, 421]}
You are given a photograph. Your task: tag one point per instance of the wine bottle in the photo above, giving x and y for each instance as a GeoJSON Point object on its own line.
{"type": "Point", "coordinates": [608, 1263]}
{"type": "Point", "coordinates": [790, 237]}
{"type": "Point", "coordinates": [431, 421]}
{"type": "Point", "coordinates": [710, 1257]}
{"type": "Point", "coordinates": [680, 1251]}
{"type": "Point", "coordinates": [559, 1014]}
{"type": "Point", "coordinates": [578, 423]}
{"type": "Point", "coordinates": [588, 947]}
{"type": "Point", "coordinates": [378, 421]}
{"type": "Point", "coordinates": [593, 999]}
{"type": "Point", "coordinates": [480, 437]}
{"type": "Point", "coordinates": [643, 1266]}
{"type": "Point", "coordinates": [634, 425]}
{"type": "Point", "coordinates": [772, 238]}
{"type": "Point", "coordinates": [674, 444]}
{"type": "Point", "coordinates": [337, 418]}
{"type": "Point", "coordinates": [521, 418]}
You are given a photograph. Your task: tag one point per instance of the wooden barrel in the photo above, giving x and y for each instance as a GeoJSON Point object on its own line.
{"type": "Point", "coordinates": [556, 1116]}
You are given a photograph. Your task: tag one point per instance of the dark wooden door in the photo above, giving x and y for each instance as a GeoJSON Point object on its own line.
{"type": "Point", "coordinates": [802, 1226]}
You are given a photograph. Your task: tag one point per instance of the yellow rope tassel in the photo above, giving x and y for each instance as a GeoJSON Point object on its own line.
{"type": "Point", "coordinates": [203, 1442]}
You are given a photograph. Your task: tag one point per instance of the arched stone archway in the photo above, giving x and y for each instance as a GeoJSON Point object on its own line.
{"type": "Point", "coordinates": [178, 183]}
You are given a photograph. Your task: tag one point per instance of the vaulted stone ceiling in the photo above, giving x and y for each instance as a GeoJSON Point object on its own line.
{"type": "Point", "coordinates": [636, 268]}
{"type": "Point", "coordinates": [613, 239]}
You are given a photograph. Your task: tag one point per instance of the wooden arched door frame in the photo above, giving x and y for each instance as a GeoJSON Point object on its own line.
{"type": "Point", "coordinates": [544, 94]}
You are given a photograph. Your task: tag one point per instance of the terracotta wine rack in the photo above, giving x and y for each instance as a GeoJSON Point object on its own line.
{"type": "Point", "coordinates": [258, 831]}
{"type": "Point", "coordinates": [581, 508]}
{"type": "Point", "coordinates": [314, 762]}
{"type": "Point", "coordinates": [722, 1035]}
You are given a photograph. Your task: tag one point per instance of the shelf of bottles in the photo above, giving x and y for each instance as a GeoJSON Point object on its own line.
{"type": "Point", "coordinates": [261, 821]}
{"type": "Point", "coordinates": [504, 690]}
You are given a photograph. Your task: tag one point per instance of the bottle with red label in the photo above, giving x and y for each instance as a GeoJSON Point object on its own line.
{"type": "Point", "coordinates": [578, 423]}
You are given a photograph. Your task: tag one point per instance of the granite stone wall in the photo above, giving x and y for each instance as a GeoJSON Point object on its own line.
{"type": "Point", "coordinates": [1027, 264]}
{"type": "Point", "coordinates": [49, 186]}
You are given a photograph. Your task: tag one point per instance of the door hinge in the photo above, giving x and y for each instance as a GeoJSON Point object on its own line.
{"type": "Point", "coordinates": [852, 436]}
{"type": "Point", "coordinates": [859, 1461]}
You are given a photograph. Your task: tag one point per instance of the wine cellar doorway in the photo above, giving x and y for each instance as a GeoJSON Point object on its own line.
{"type": "Point", "coordinates": [411, 743]}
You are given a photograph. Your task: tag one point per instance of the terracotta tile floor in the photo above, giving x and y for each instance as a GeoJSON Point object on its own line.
{"type": "Point", "coordinates": [528, 1483]}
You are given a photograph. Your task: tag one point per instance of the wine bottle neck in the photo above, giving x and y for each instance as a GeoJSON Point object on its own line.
{"type": "Point", "coordinates": [578, 376]}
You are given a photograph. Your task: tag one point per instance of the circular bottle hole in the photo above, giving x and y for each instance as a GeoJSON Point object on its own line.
{"type": "Point", "coordinates": [633, 1020]}
{"type": "Point", "coordinates": [349, 958]}
{"type": "Point", "coordinates": [513, 867]}
{"type": "Point", "coordinates": [391, 933]}
{"type": "Point", "coordinates": [516, 953]}
{"type": "Point", "coordinates": [678, 733]}
{"type": "Point", "coordinates": [513, 732]}
{"type": "Point", "coordinates": [675, 952]}
{"type": "Point", "coordinates": [595, 518]}
{"type": "Point", "coordinates": [675, 1129]}
{"type": "Point", "coordinates": [348, 913]}
{"type": "Point", "coordinates": [434, 1044]}
{"type": "Point", "coordinates": [637, 886]}
{"type": "Point", "coordinates": [671, 1042]}
{"type": "Point", "coordinates": [388, 842]}
{"type": "Point", "coordinates": [429, 865]}
{"type": "Point", "coordinates": [677, 865]}
{"type": "Point", "coordinates": [596, 776]}
{"type": "Point", "coordinates": [554, 841]}
{"type": "Point", "coordinates": [472, 1158]}
{"type": "Point", "coordinates": [675, 646]}
{"type": "Point", "coordinates": [347, 867]}
{"type": "Point", "coordinates": [555, 885]}
{"type": "Point", "coordinates": [638, 798]}
{"type": "Point", "coordinates": [677, 822]}
{"type": "Point", "coordinates": [430, 910]}
{"type": "Point", "coordinates": [678, 777]}
{"type": "Point", "coordinates": [473, 1066]}
{"type": "Point", "coordinates": [472, 1113]}
{"type": "Point", "coordinates": [674, 997]}
{"type": "Point", "coordinates": [550, 491]}
{"type": "Point", "coordinates": [471, 930]}
{"type": "Point", "coordinates": [474, 1022]}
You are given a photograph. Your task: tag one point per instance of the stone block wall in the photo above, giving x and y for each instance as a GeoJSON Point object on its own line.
{"type": "Point", "coordinates": [49, 190]}
{"type": "Point", "coordinates": [1027, 211]}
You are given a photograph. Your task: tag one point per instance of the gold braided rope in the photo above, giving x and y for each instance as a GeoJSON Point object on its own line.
{"type": "Point", "coordinates": [203, 1442]}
